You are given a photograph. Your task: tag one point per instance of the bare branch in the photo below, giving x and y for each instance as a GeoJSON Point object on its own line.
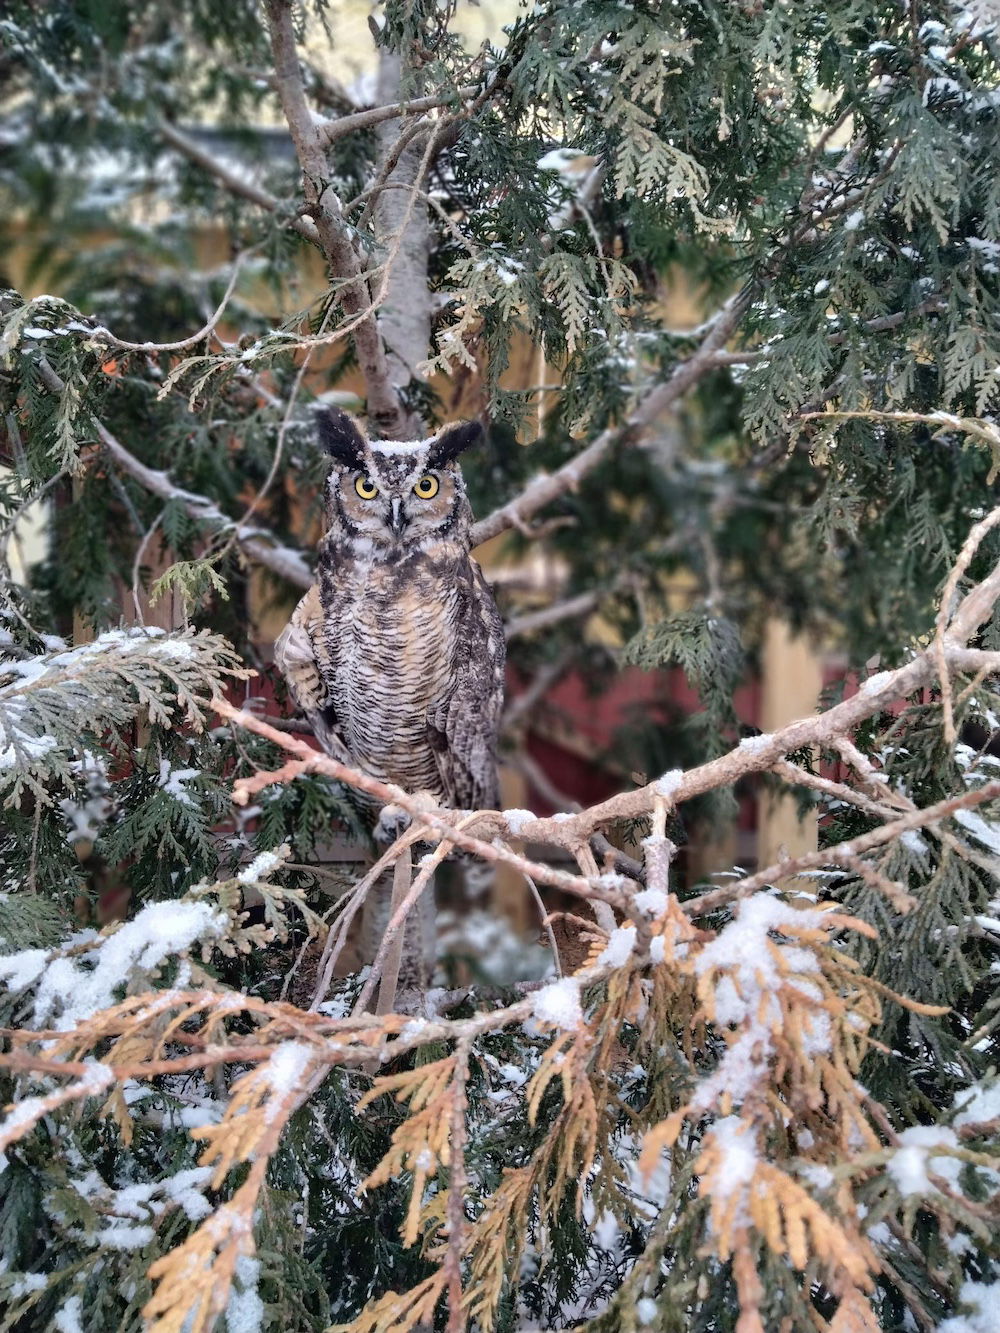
{"type": "Point", "coordinates": [759, 753]}
{"type": "Point", "coordinates": [255, 542]}
{"type": "Point", "coordinates": [102, 334]}
{"type": "Point", "coordinates": [531, 621]}
{"type": "Point", "coordinates": [544, 489]}
{"type": "Point", "coordinates": [237, 185]}
{"type": "Point", "coordinates": [838, 791]}
{"type": "Point", "coordinates": [882, 324]}
{"type": "Point", "coordinates": [331, 130]}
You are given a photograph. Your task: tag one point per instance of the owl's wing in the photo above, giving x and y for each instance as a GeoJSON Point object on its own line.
{"type": "Point", "coordinates": [301, 657]}
{"type": "Point", "coordinates": [462, 726]}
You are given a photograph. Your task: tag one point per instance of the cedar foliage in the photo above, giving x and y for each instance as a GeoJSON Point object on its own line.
{"type": "Point", "coordinates": [771, 1112]}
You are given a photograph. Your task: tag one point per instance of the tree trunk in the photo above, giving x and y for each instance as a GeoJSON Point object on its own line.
{"type": "Point", "coordinates": [401, 225]}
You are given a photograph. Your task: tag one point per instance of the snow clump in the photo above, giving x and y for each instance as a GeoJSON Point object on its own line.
{"type": "Point", "coordinates": [754, 744]}
{"type": "Point", "coordinates": [67, 1319]}
{"type": "Point", "coordinates": [558, 1004]}
{"type": "Point", "coordinates": [669, 782]}
{"type": "Point", "coordinates": [517, 819]}
{"type": "Point", "coordinates": [72, 989]}
{"type": "Point", "coordinates": [172, 781]}
{"type": "Point", "coordinates": [286, 1070]}
{"type": "Point", "coordinates": [735, 1140]}
{"type": "Point", "coordinates": [983, 1300]}
{"type": "Point", "coordinates": [245, 1310]}
{"type": "Point", "coordinates": [911, 1162]}
{"type": "Point", "coordinates": [619, 947]}
{"type": "Point", "coordinates": [978, 1105]}
{"type": "Point", "coordinates": [746, 992]}
{"type": "Point", "coordinates": [651, 902]}
{"type": "Point", "coordinates": [261, 866]}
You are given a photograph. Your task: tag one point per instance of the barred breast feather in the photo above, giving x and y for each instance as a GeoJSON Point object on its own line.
{"type": "Point", "coordinates": [399, 667]}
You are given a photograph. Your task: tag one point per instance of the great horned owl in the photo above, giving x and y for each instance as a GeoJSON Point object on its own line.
{"type": "Point", "coordinates": [396, 653]}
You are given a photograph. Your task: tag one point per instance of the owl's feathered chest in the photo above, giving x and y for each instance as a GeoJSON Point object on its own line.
{"type": "Point", "coordinates": [391, 630]}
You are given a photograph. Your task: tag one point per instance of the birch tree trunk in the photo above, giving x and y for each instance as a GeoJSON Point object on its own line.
{"type": "Point", "coordinates": [404, 318]}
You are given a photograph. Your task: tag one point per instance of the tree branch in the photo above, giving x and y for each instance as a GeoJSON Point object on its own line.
{"type": "Point", "coordinates": [443, 824]}
{"type": "Point", "coordinates": [752, 356]}
{"type": "Point", "coordinates": [331, 130]}
{"type": "Point", "coordinates": [760, 753]}
{"type": "Point", "coordinates": [581, 605]}
{"type": "Point", "coordinates": [384, 408]}
{"type": "Point", "coordinates": [237, 185]}
{"type": "Point", "coordinates": [255, 542]}
{"type": "Point", "coordinates": [400, 218]}
{"type": "Point", "coordinates": [848, 851]}
{"type": "Point", "coordinates": [544, 489]}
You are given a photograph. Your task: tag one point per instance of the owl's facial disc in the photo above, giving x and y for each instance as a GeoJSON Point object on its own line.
{"type": "Point", "coordinates": [397, 498]}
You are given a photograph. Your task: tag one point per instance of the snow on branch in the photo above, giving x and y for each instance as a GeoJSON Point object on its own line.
{"type": "Point", "coordinates": [49, 702]}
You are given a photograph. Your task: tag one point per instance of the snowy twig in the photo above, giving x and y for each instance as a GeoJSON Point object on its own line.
{"type": "Point", "coordinates": [838, 791]}
{"type": "Point", "coordinates": [105, 337]}
{"type": "Point", "coordinates": [844, 851]}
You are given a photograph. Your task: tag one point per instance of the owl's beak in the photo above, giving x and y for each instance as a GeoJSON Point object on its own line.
{"type": "Point", "coordinates": [398, 520]}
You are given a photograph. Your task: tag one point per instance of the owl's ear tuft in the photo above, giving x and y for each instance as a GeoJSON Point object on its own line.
{"type": "Point", "coordinates": [341, 436]}
{"type": "Point", "coordinates": [452, 441]}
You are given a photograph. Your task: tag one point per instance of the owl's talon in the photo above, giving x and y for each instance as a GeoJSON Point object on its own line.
{"type": "Point", "coordinates": [393, 822]}
{"type": "Point", "coordinates": [409, 1001]}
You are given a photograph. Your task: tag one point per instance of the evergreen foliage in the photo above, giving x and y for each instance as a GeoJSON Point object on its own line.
{"type": "Point", "coordinates": [770, 1111]}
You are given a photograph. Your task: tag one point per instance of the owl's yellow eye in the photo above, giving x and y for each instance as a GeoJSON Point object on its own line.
{"type": "Point", "coordinates": [365, 487]}
{"type": "Point", "coordinates": [427, 487]}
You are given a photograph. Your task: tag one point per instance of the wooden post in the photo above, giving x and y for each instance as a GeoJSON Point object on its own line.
{"type": "Point", "coordinates": [791, 683]}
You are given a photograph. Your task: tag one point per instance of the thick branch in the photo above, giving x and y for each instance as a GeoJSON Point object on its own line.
{"type": "Point", "coordinates": [763, 752]}
{"type": "Point", "coordinates": [400, 218]}
{"type": "Point", "coordinates": [444, 824]}
{"type": "Point", "coordinates": [253, 541]}
{"type": "Point", "coordinates": [385, 410]}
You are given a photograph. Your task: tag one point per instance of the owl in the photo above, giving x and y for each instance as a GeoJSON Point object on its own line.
{"type": "Point", "coordinates": [396, 653]}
